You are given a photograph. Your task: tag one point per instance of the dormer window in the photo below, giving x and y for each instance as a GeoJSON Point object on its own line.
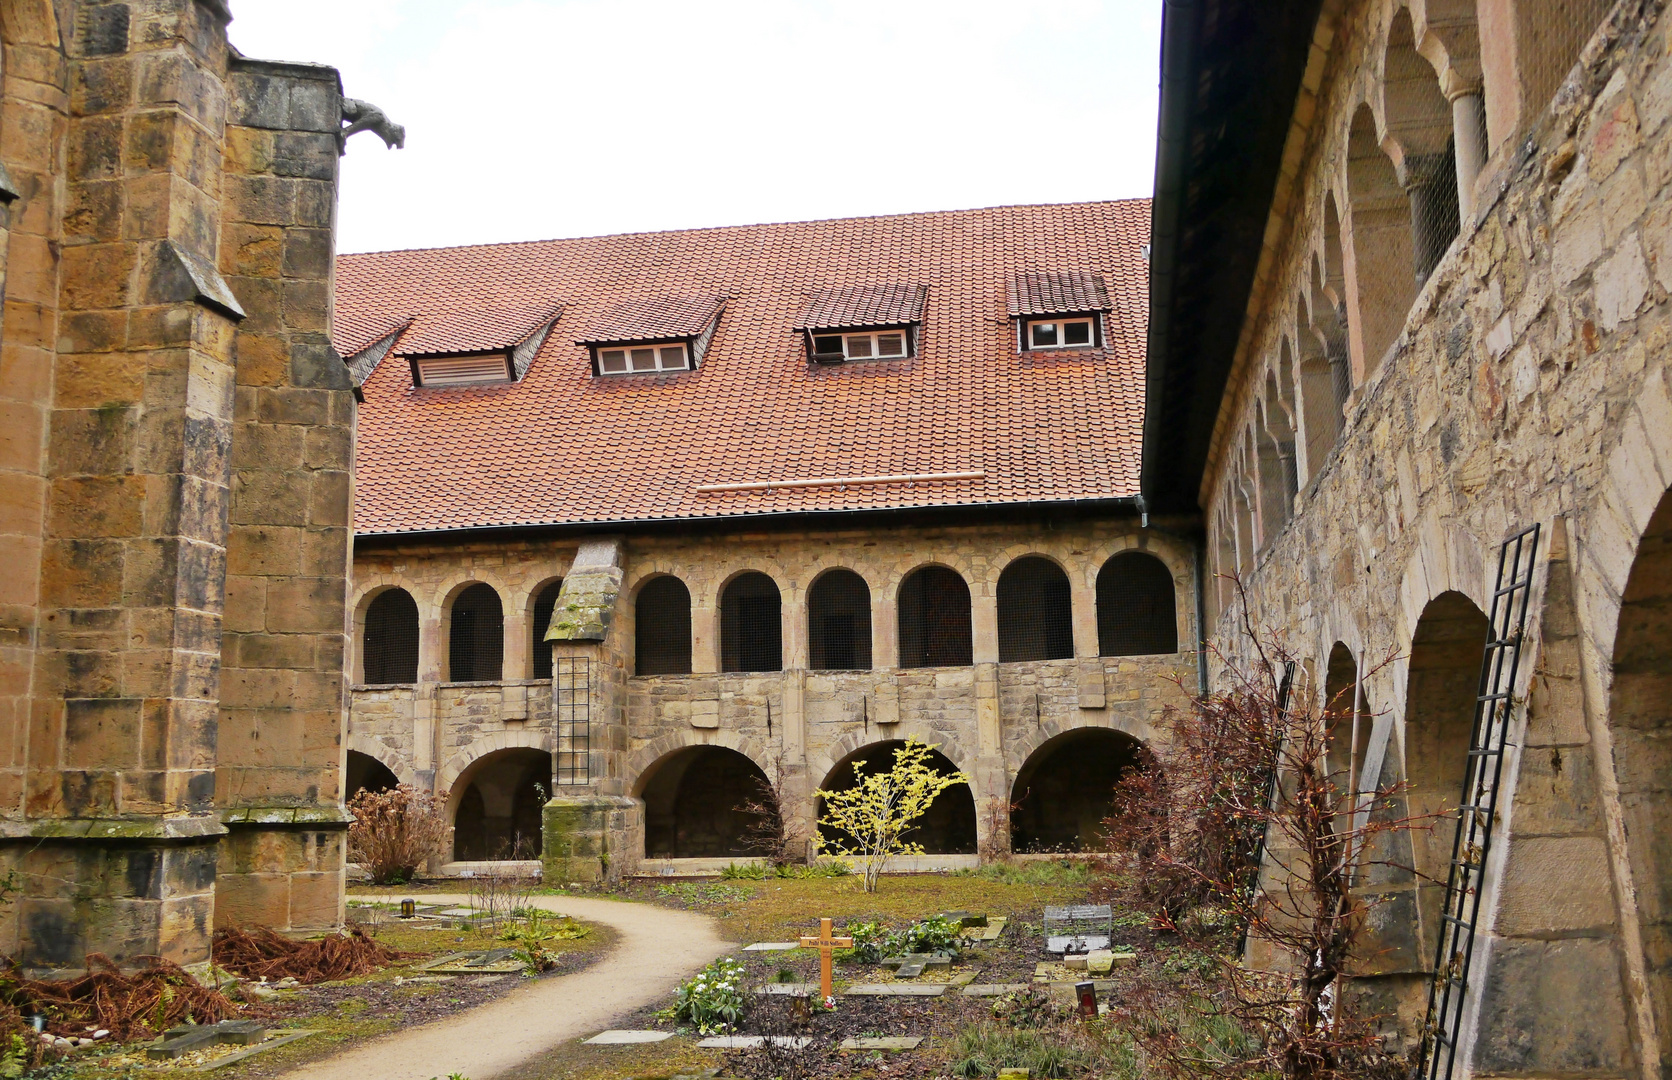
{"type": "Point", "coordinates": [862, 322]}
{"type": "Point", "coordinates": [1062, 334]}
{"type": "Point", "coordinates": [463, 370]}
{"type": "Point", "coordinates": [654, 336]}
{"type": "Point", "coordinates": [474, 346]}
{"type": "Point", "coordinates": [880, 345]}
{"type": "Point", "coordinates": [645, 358]}
{"type": "Point", "coordinates": [1057, 310]}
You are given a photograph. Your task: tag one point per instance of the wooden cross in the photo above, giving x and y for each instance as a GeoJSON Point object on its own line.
{"type": "Point", "coordinates": [826, 943]}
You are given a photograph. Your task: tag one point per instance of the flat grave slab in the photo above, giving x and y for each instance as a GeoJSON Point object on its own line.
{"type": "Point", "coordinates": [275, 1040]}
{"type": "Point", "coordinates": [771, 946]}
{"type": "Point", "coordinates": [963, 978]}
{"type": "Point", "coordinates": [922, 960]}
{"type": "Point", "coordinates": [750, 1042]}
{"type": "Point", "coordinates": [990, 932]}
{"type": "Point", "coordinates": [904, 1042]}
{"type": "Point", "coordinates": [184, 1038]}
{"type": "Point", "coordinates": [788, 989]}
{"type": "Point", "coordinates": [897, 990]}
{"type": "Point", "coordinates": [993, 989]}
{"type": "Point", "coordinates": [475, 962]}
{"type": "Point", "coordinates": [621, 1037]}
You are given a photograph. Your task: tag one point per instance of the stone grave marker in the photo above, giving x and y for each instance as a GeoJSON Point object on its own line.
{"type": "Point", "coordinates": [475, 962]}
{"type": "Point", "coordinates": [750, 1042]}
{"type": "Point", "coordinates": [993, 989]}
{"type": "Point", "coordinates": [1078, 928]}
{"type": "Point", "coordinates": [826, 943]}
{"type": "Point", "coordinates": [620, 1037]}
{"type": "Point", "coordinates": [771, 946]}
{"type": "Point", "coordinates": [183, 1038]}
{"type": "Point", "coordinates": [902, 1042]}
{"type": "Point", "coordinates": [788, 989]}
{"type": "Point", "coordinates": [897, 990]}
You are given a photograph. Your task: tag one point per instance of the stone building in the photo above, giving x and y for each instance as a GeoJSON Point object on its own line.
{"type": "Point", "coordinates": [176, 444]}
{"type": "Point", "coordinates": [1434, 421]}
{"type": "Point", "coordinates": [645, 522]}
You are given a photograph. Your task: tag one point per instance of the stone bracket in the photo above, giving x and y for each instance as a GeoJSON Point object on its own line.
{"type": "Point", "coordinates": [705, 712]}
{"type": "Point", "coordinates": [1091, 692]}
{"type": "Point", "coordinates": [586, 603]}
{"type": "Point", "coordinates": [513, 702]}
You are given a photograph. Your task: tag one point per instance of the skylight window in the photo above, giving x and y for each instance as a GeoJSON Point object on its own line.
{"type": "Point", "coordinates": [872, 345]}
{"type": "Point", "coordinates": [1061, 334]}
{"type": "Point", "coordinates": [644, 358]}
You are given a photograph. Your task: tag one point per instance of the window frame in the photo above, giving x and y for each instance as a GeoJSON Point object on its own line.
{"type": "Point", "coordinates": [626, 348]}
{"type": "Point", "coordinates": [907, 332]}
{"type": "Point", "coordinates": [1026, 323]}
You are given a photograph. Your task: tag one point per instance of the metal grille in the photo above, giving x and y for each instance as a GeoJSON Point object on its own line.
{"type": "Point", "coordinates": [662, 628]}
{"type": "Point", "coordinates": [476, 642]}
{"type": "Point", "coordinates": [540, 649]}
{"type": "Point", "coordinates": [1478, 805]}
{"type": "Point", "coordinates": [1036, 616]}
{"type": "Point", "coordinates": [935, 619]}
{"type": "Point", "coordinates": [572, 712]}
{"type": "Point", "coordinates": [391, 641]}
{"type": "Point", "coordinates": [839, 622]}
{"type": "Point", "coordinates": [1136, 615]}
{"type": "Point", "coordinates": [751, 625]}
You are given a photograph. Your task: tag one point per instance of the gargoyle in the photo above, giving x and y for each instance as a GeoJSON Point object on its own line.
{"type": "Point", "coordinates": [364, 116]}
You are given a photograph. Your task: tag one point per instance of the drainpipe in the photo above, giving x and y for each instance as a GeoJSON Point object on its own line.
{"type": "Point", "coordinates": [1201, 613]}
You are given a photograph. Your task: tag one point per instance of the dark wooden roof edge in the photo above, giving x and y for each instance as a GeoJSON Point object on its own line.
{"type": "Point", "coordinates": [1231, 73]}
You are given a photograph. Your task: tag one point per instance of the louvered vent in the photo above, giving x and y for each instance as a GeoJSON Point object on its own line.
{"type": "Point", "coordinates": [459, 370]}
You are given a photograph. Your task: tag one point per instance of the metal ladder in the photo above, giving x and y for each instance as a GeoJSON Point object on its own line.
{"type": "Point", "coordinates": [1478, 804]}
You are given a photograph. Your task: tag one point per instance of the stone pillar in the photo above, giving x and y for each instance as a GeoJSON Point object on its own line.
{"type": "Point", "coordinates": [1083, 596]}
{"type": "Point", "coordinates": [282, 733]}
{"type": "Point", "coordinates": [1430, 184]}
{"type": "Point", "coordinates": [705, 638]}
{"type": "Point", "coordinates": [885, 633]}
{"type": "Point", "coordinates": [1468, 126]}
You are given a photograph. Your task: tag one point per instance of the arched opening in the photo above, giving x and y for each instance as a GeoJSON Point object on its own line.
{"type": "Point", "coordinates": [1347, 722]}
{"type": "Point", "coordinates": [1326, 378]}
{"type": "Point", "coordinates": [1066, 790]}
{"type": "Point", "coordinates": [1381, 273]}
{"type": "Point", "coordinates": [1136, 614]}
{"type": "Point", "coordinates": [946, 828]}
{"type": "Point", "coordinates": [366, 773]}
{"type": "Point", "coordinates": [1534, 45]}
{"type": "Point", "coordinates": [498, 815]}
{"type": "Point", "coordinates": [540, 651]}
{"type": "Point", "coordinates": [1036, 615]}
{"type": "Point", "coordinates": [662, 628]}
{"type": "Point", "coordinates": [695, 804]}
{"type": "Point", "coordinates": [839, 622]}
{"type": "Point", "coordinates": [1277, 461]}
{"type": "Point", "coordinates": [1419, 124]}
{"type": "Point", "coordinates": [935, 619]}
{"type": "Point", "coordinates": [1444, 680]}
{"type": "Point", "coordinates": [476, 636]}
{"type": "Point", "coordinates": [1640, 714]}
{"type": "Point", "coordinates": [390, 644]}
{"type": "Point", "coordinates": [751, 624]}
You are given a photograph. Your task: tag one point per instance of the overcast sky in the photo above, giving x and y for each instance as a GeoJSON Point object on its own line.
{"type": "Point", "coordinates": [531, 119]}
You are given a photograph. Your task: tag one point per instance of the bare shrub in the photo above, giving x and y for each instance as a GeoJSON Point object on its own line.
{"type": "Point", "coordinates": [1243, 777]}
{"type": "Point", "coordinates": [769, 834]}
{"type": "Point", "coordinates": [395, 832]}
{"type": "Point", "coordinates": [500, 888]}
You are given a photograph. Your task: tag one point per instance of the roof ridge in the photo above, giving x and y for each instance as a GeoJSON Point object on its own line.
{"type": "Point", "coordinates": [498, 245]}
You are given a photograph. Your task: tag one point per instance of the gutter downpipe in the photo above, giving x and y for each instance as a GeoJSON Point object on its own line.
{"type": "Point", "coordinates": [1202, 612]}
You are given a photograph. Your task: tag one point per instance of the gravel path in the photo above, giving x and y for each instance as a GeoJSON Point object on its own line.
{"type": "Point", "coordinates": [657, 950]}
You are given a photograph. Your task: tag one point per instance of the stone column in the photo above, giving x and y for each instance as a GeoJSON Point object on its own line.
{"type": "Point", "coordinates": [885, 633]}
{"type": "Point", "coordinates": [282, 732]}
{"type": "Point", "coordinates": [705, 638]}
{"type": "Point", "coordinates": [1430, 185]}
{"type": "Point", "coordinates": [1468, 126]}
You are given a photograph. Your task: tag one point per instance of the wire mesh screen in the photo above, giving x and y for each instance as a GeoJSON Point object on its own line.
{"type": "Point", "coordinates": [662, 628]}
{"type": "Point", "coordinates": [391, 642]}
{"type": "Point", "coordinates": [572, 712]}
{"type": "Point", "coordinates": [839, 622]}
{"type": "Point", "coordinates": [541, 649]}
{"type": "Point", "coordinates": [1135, 610]}
{"type": "Point", "coordinates": [1036, 616]}
{"type": "Point", "coordinates": [751, 625]}
{"type": "Point", "coordinates": [476, 641]}
{"type": "Point", "coordinates": [935, 619]}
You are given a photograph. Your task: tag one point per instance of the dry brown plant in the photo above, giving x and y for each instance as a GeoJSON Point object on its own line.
{"type": "Point", "coordinates": [395, 832]}
{"type": "Point", "coordinates": [1238, 811]}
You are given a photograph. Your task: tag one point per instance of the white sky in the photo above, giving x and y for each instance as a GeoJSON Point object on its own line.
{"type": "Point", "coordinates": [531, 119]}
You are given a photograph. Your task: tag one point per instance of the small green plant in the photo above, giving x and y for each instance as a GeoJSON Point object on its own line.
{"type": "Point", "coordinates": [936, 934]}
{"type": "Point", "coordinates": [744, 871]}
{"type": "Point", "coordinates": [869, 941]}
{"type": "Point", "coordinates": [1041, 872]}
{"type": "Point", "coordinates": [695, 894]}
{"type": "Point", "coordinates": [14, 1060]}
{"type": "Point", "coordinates": [712, 1000]}
{"type": "Point", "coordinates": [535, 934]}
{"type": "Point", "coordinates": [1030, 1008]}
{"type": "Point", "coordinates": [984, 1049]}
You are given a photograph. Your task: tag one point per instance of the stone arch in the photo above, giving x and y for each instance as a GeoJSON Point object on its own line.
{"type": "Point", "coordinates": [1065, 789]}
{"type": "Point", "coordinates": [839, 614]}
{"type": "Point", "coordinates": [950, 826]}
{"type": "Point", "coordinates": [1035, 610]}
{"type": "Point", "coordinates": [1347, 722]}
{"type": "Point", "coordinates": [362, 772]}
{"type": "Point", "coordinates": [751, 623]}
{"type": "Point", "coordinates": [640, 761]}
{"type": "Point", "coordinates": [474, 633]}
{"type": "Point", "coordinates": [959, 565]}
{"type": "Point", "coordinates": [694, 802]}
{"type": "Point", "coordinates": [496, 804]}
{"type": "Point", "coordinates": [662, 632]}
{"type": "Point", "coordinates": [1376, 232]}
{"type": "Point", "coordinates": [394, 762]}
{"type": "Point", "coordinates": [848, 745]}
{"type": "Point", "coordinates": [936, 617]}
{"type": "Point", "coordinates": [1137, 606]}
{"type": "Point", "coordinates": [538, 604]}
{"type": "Point", "coordinates": [1419, 140]}
{"type": "Point", "coordinates": [447, 779]}
{"type": "Point", "coordinates": [406, 639]}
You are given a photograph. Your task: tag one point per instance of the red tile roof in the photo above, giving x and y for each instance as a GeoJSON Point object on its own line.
{"type": "Point", "coordinates": [471, 327]}
{"type": "Point", "coordinates": [356, 331]}
{"type": "Point", "coordinates": [653, 318]}
{"type": "Point", "coordinates": [1072, 292]}
{"type": "Point", "coordinates": [862, 305]}
{"type": "Point", "coordinates": [565, 446]}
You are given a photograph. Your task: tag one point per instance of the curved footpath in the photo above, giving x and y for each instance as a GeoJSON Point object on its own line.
{"type": "Point", "coordinates": [657, 950]}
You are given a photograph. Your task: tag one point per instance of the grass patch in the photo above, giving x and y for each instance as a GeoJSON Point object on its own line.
{"type": "Point", "coordinates": [984, 1049]}
{"type": "Point", "coordinates": [1049, 873]}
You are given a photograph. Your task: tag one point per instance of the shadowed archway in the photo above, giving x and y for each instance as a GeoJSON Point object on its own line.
{"type": "Point", "coordinates": [497, 816]}
{"type": "Point", "coordinates": [366, 773]}
{"type": "Point", "coordinates": [1066, 789]}
{"type": "Point", "coordinates": [694, 803]}
{"type": "Point", "coordinates": [947, 828]}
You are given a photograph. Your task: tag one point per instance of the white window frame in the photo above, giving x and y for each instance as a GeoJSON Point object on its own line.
{"type": "Point", "coordinates": [1028, 325]}
{"type": "Point", "coordinates": [660, 349]}
{"type": "Point", "coordinates": [429, 379]}
{"type": "Point", "coordinates": [903, 332]}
